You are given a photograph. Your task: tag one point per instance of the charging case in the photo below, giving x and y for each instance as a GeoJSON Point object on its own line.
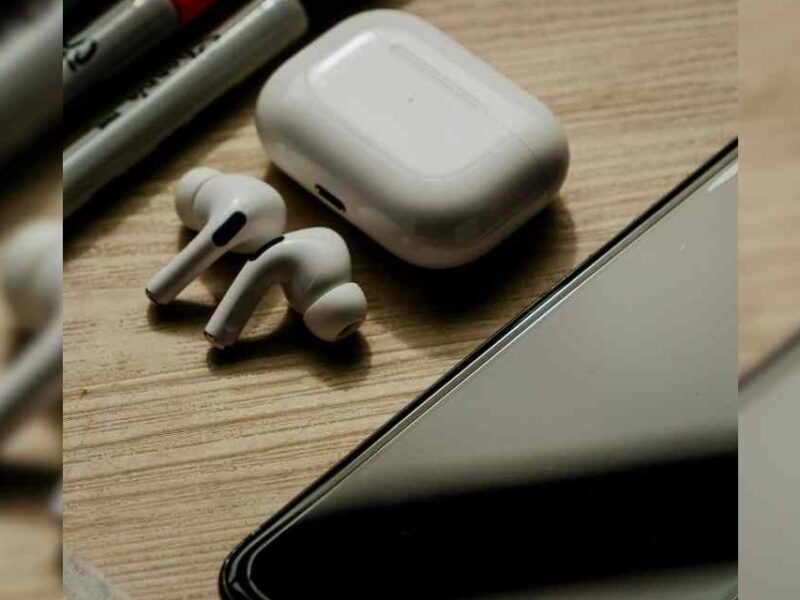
{"type": "Point", "coordinates": [413, 139]}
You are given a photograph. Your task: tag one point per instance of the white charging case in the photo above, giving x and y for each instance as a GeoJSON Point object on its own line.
{"type": "Point", "coordinates": [413, 139]}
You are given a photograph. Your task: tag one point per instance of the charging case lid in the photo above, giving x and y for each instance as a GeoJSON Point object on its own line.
{"type": "Point", "coordinates": [419, 143]}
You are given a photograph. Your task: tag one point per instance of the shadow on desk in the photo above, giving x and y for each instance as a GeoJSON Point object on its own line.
{"type": "Point", "coordinates": [29, 482]}
{"type": "Point", "coordinates": [474, 299]}
{"type": "Point", "coordinates": [276, 343]}
{"type": "Point", "coordinates": [291, 337]}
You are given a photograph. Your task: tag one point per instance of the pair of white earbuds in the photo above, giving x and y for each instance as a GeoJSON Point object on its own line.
{"type": "Point", "coordinates": [32, 267]}
{"type": "Point", "coordinates": [237, 213]}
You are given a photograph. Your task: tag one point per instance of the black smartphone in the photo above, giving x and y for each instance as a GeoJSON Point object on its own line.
{"type": "Point", "coordinates": [587, 450]}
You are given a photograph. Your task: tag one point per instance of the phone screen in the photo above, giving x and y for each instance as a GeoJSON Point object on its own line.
{"type": "Point", "coordinates": [588, 451]}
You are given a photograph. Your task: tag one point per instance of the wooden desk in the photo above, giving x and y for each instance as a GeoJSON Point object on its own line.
{"type": "Point", "coordinates": [173, 451]}
{"type": "Point", "coordinates": [769, 200]}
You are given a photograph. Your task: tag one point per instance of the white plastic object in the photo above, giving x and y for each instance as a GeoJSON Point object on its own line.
{"type": "Point", "coordinates": [313, 268]}
{"type": "Point", "coordinates": [232, 213]}
{"type": "Point", "coordinates": [32, 267]}
{"type": "Point", "coordinates": [413, 139]}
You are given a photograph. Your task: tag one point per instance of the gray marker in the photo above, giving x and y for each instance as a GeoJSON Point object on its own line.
{"type": "Point", "coordinates": [29, 101]}
{"type": "Point", "coordinates": [257, 34]}
{"type": "Point", "coordinates": [129, 30]}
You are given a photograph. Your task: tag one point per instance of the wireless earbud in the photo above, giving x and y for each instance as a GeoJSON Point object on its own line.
{"type": "Point", "coordinates": [313, 267]}
{"type": "Point", "coordinates": [231, 213]}
{"type": "Point", "coordinates": [32, 284]}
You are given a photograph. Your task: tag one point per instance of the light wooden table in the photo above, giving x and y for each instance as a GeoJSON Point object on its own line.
{"type": "Point", "coordinates": [769, 205]}
{"type": "Point", "coordinates": [173, 451]}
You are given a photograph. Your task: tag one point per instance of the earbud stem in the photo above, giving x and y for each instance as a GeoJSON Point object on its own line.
{"type": "Point", "coordinates": [242, 299]}
{"type": "Point", "coordinates": [34, 380]}
{"type": "Point", "coordinates": [196, 257]}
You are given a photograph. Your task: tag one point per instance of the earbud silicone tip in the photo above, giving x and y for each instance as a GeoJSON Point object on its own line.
{"type": "Point", "coordinates": [186, 190]}
{"type": "Point", "coordinates": [337, 313]}
{"type": "Point", "coordinates": [23, 258]}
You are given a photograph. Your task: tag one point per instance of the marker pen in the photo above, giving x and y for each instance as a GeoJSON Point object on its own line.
{"type": "Point", "coordinates": [127, 32]}
{"type": "Point", "coordinates": [28, 55]}
{"type": "Point", "coordinates": [253, 37]}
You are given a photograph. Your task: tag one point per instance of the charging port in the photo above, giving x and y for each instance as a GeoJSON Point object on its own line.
{"type": "Point", "coordinates": [330, 198]}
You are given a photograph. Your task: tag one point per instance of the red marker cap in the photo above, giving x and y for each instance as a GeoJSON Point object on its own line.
{"type": "Point", "coordinates": [189, 9]}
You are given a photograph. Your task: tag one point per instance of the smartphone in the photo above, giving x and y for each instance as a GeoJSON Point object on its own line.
{"type": "Point", "coordinates": [588, 449]}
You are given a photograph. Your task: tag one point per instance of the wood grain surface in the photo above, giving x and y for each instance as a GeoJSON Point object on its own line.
{"type": "Point", "coordinates": [174, 451]}
{"type": "Point", "coordinates": [769, 187]}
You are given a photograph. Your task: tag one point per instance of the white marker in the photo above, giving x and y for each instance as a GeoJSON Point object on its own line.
{"type": "Point", "coordinates": [131, 29]}
{"type": "Point", "coordinates": [257, 34]}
